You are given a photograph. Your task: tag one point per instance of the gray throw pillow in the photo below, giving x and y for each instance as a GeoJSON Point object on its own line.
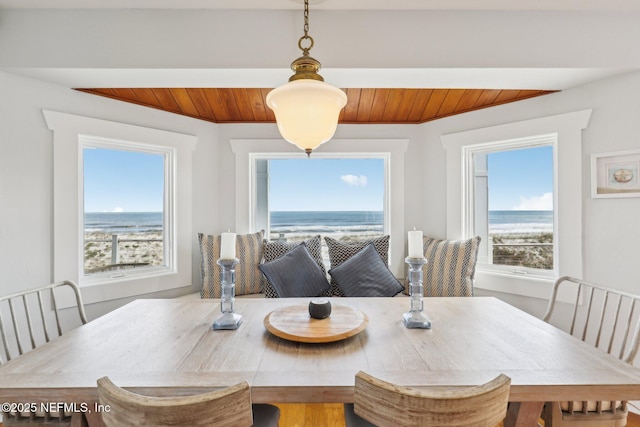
{"type": "Point", "coordinates": [295, 274]}
{"type": "Point", "coordinates": [366, 275]}
{"type": "Point", "coordinates": [340, 251]}
{"type": "Point", "coordinates": [274, 249]}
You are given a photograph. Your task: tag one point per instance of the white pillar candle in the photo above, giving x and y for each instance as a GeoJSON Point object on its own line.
{"type": "Point", "coordinates": [415, 244]}
{"type": "Point", "coordinates": [228, 246]}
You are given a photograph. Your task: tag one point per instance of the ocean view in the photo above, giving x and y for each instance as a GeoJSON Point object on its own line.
{"type": "Point", "coordinates": [122, 222]}
{"type": "Point", "coordinates": [520, 222]}
{"type": "Point", "coordinates": [371, 222]}
{"type": "Point", "coordinates": [297, 225]}
{"type": "Point", "coordinates": [318, 222]}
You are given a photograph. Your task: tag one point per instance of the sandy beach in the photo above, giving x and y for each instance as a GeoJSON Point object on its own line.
{"type": "Point", "coordinates": [534, 250]}
{"type": "Point", "coordinates": [143, 248]}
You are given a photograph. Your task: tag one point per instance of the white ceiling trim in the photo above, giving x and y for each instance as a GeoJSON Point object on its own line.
{"type": "Point", "coordinates": [475, 78]}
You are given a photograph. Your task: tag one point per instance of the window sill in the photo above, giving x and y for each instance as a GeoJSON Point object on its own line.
{"type": "Point", "coordinates": [106, 289]}
{"type": "Point", "coordinates": [527, 286]}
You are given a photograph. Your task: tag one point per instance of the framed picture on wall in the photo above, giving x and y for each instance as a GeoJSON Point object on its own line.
{"type": "Point", "coordinates": [615, 174]}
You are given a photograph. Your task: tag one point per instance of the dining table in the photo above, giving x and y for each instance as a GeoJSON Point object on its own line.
{"type": "Point", "coordinates": [167, 347]}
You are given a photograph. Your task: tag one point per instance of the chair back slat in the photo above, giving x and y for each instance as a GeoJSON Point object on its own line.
{"type": "Point", "coordinates": [55, 311]}
{"type": "Point", "coordinates": [24, 333]}
{"type": "Point", "coordinates": [27, 315]}
{"type": "Point", "coordinates": [615, 322]}
{"type": "Point", "coordinates": [600, 323]}
{"type": "Point", "coordinates": [627, 333]}
{"type": "Point", "coordinates": [16, 328]}
{"type": "Point", "coordinates": [45, 327]}
{"type": "Point", "coordinates": [5, 343]}
{"type": "Point", "coordinates": [575, 307]}
{"type": "Point", "coordinates": [588, 311]}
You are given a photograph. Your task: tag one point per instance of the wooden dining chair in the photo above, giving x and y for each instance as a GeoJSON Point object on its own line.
{"type": "Point", "coordinates": [29, 319]}
{"type": "Point", "coordinates": [606, 318]}
{"type": "Point", "coordinates": [228, 407]}
{"type": "Point", "coordinates": [380, 403]}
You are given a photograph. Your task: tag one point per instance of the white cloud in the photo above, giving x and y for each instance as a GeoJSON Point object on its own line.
{"type": "Point", "coordinates": [536, 203]}
{"type": "Point", "coordinates": [118, 209]}
{"type": "Point", "coordinates": [356, 181]}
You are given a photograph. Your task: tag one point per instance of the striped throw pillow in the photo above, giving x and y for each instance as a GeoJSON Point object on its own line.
{"type": "Point", "coordinates": [248, 275]}
{"type": "Point", "coordinates": [450, 267]}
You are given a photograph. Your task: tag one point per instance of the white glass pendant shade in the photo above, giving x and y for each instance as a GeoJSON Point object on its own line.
{"type": "Point", "coordinates": [307, 111]}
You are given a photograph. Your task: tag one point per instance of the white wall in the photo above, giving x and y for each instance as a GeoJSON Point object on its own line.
{"type": "Point", "coordinates": [610, 225]}
{"type": "Point", "coordinates": [266, 39]}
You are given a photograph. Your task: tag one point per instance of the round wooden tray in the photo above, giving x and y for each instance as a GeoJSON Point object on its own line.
{"type": "Point", "coordinates": [293, 323]}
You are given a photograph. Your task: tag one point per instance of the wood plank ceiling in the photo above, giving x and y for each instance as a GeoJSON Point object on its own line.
{"type": "Point", "coordinates": [389, 106]}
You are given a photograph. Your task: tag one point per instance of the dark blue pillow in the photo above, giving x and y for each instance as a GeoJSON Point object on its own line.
{"type": "Point", "coordinates": [295, 274]}
{"type": "Point", "coordinates": [366, 275]}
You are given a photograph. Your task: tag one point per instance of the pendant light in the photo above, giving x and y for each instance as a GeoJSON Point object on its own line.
{"type": "Point", "coordinates": [306, 108]}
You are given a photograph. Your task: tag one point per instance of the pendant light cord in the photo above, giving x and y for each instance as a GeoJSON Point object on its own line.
{"type": "Point", "coordinates": [306, 36]}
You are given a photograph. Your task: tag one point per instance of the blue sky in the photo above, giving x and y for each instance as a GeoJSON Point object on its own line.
{"type": "Point", "coordinates": [521, 179]}
{"type": "Point", "coordinates": [122, 181]}
{"type": "Point", "coordinates": [117, 180]}
{"type": "Point", "coordinates": [313, 184]}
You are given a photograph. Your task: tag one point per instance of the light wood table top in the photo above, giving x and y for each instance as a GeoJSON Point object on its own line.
{"type": "Point", "coordinates": [167, 347]}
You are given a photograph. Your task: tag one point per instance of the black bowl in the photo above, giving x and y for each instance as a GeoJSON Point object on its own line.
{"type": "Point", "coordinates": [319, 308]}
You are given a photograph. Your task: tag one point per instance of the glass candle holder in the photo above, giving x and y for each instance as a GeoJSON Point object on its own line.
{"type": "Point", "coordinates": [228, 319]}
{"type": "Point", "coordinates": [415, 317]}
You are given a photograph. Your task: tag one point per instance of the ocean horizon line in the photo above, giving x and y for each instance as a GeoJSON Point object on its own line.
{"type": "Point", "coordinates": [119, 212]}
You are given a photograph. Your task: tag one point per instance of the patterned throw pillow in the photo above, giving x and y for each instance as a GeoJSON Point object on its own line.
{"type": "Point", "coordinates": [365, 275]}
{"type": "Point", "coordinates": [450, 267]}
{"type": "Point", "coordinates": [296, 274]}
{"type": "Point", "coordinates": [340, 251]}
{"type": "Point", "coordinates": [248, 275]}
{"type": "Point", "coordinates": [276, 248]}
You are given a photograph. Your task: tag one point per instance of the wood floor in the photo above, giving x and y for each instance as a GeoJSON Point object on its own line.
{"type": "Point", "coordinates": [330, 415]}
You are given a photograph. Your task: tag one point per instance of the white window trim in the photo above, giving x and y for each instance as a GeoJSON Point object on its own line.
{"type": "Point", "coordinates": [469, 205]}
{"type": "Point", "coordinates": [67, 205]}
{"type": "Point", "coordinates": [246, 151]}
{"type": "Point", "coordinates": [169, 242]}
{"type": "Point", "coordinates": [567, 198]}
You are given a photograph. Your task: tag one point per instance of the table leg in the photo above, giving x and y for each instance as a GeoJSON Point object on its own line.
{"type": "Point", "coordinates": [523, 414]}
{"type": "Point", "coordinates": [78, 420]}
{"type": "Point", "coordinates": [87, 419]}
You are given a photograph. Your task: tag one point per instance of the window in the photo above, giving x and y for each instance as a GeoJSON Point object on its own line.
{"type": "Point", "coordinates": [91, 157]}
{"type": "Point", "coordinates": [511, 204]}
{"type": "Point", "coordinates": [127, 214]}
{"type": "Point", "coordinates": [567, 193]}
{"type": "Point", "coordinates": [252, 209]}
{"type": "Point", "coordinates": [342, 198]}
